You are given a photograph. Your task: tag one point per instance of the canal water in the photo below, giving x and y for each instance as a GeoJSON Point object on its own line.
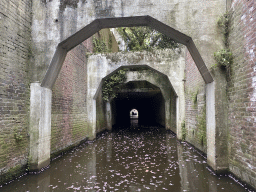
{"type": "Point", "coordinates": [134, 159]}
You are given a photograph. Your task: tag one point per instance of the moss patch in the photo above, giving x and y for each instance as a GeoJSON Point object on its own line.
{"type": "Point", "coordinates": [201, 125]}
{"type": "Point", "coordinates": [12, 173]}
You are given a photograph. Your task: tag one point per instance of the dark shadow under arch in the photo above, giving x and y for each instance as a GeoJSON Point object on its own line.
{"type": "Point", "coordinates": [98, 24]}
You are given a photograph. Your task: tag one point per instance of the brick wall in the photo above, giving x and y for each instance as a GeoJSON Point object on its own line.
{"type": "Point", "coordinates": [69, 112]}
{"type": "Point", "coordinates": [242, 91]}
{"type": "Point", "coordinates": [69, 115]}
{"type": "Point", "coordinates": [15, 22]}
{"type": "Point", "coordinates": [195, 105]}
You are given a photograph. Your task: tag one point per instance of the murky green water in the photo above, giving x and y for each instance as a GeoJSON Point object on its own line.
{"type": "Point", "coordinates": [150, 160]}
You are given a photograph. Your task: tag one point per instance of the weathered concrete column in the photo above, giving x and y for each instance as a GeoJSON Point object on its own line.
{"type": "Point", "coordinates": [91, 111]}
{"type": "Point", "coordinates": [167, 114]}
{"type": "Point", "coordinates": [211, 125]}
{"type": "Point", "coordinates": [109, 116]}
{"type": "Point", "coordinates": [178, 120]}
{"type": "Point", "coordinates": [40, 126]}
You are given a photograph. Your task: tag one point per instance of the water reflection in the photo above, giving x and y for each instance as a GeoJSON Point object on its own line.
{"type": "Point", "coordinates": [134, 123]}
{"type": "Point", "coordinates": [145, 160]}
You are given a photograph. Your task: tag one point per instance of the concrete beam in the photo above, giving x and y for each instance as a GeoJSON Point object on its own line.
{"type": "Point", "coordinates": [168, 31]}
{"type": "Point", "coordinates": [199, 61]}
{"type": "Point", "coordinates": [54, 68]}
{"type": "Point", "coordinates": [124, 22]}
{"type": "Point", "coordinates": [40, 126]}
{"type": "Point", "coordinates": [81, 35]}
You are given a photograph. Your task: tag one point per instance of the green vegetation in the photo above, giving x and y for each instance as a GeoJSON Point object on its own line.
{"type": "Point", "coordinates": [29, 163]}
{"type": "Point", "coordinates": [110, 42]}
{"type": "Point", "coordinates": [17, 137]}
{"type": "Point", "coordinates": [12, 173]}
{"type": "Point", "coordinates": [224, 25]}
{"type": "Point", "coordinates": [79, 128]}
{"type": "Point", "coordinates": [99, 45]}
{"type": "Point", "coordinates": [102, 42]}
{"type": "Point", "coordinates": [224, 57]}
{"type": "Point", "coordinates": [117, 78]}
{"type": "Point", "coordinates": [194, 97]}
{"type": "Point", "coordinates": [145, 38]}
{"type": "Point", "coordinates": [201, 125]}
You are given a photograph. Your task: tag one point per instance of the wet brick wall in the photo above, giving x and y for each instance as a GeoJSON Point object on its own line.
{"type": "Point", "coordinates": [242, 91]}
{"type": "Point", "coordinates": [195, 105]}
{"type": "Point", "coordinates": [15, 29]}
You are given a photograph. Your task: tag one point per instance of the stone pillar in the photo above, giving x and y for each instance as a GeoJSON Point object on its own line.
{"type": "Point", "coordinates": [40, 126]}
{"type": "Point", "coordinates": [167, 114]}
{"type": "Point", "coordinates": [91, 111]}
{"type": "Point", "coordinates": [109, 116]}
{"type": "Point", "coordinates": [211, 125]}
{"type": "Point", "coordinates": [178, 120]}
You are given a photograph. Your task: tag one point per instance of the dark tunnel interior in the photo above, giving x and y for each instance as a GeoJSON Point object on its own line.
{"type": "Point", "coordinates": [148, 101]}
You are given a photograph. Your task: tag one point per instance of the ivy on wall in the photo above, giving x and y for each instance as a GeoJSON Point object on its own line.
{"type": "Point", "coordinates": [109, 84]}
{"type": "Point", "coordinates": [99, 45]}
{"type": "Point", "coordinates": [145, 38]}
{"type": "Point", "coordinates": [224, 57]}
{"type": "Point", "coordinates": [103, 41]}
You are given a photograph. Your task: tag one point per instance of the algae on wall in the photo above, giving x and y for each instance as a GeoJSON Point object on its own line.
{"type": "Point", "coordinates": [195, 130]}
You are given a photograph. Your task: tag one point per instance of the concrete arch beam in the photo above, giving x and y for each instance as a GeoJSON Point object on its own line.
{"type": "Point", "coordinates": [98, 24]}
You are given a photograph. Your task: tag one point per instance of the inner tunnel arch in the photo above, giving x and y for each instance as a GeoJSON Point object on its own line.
{"type": "Point", "coordinates": [163, 93]}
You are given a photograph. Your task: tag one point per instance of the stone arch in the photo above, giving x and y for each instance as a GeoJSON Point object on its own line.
{"type": "Point", "coordinates": [154, 77]}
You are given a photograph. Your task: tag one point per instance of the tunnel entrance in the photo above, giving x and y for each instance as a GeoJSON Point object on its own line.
{"type": "Point", "coordinates": [138, 103]}
{"type": "Point", "coordinates": [134, 114]}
